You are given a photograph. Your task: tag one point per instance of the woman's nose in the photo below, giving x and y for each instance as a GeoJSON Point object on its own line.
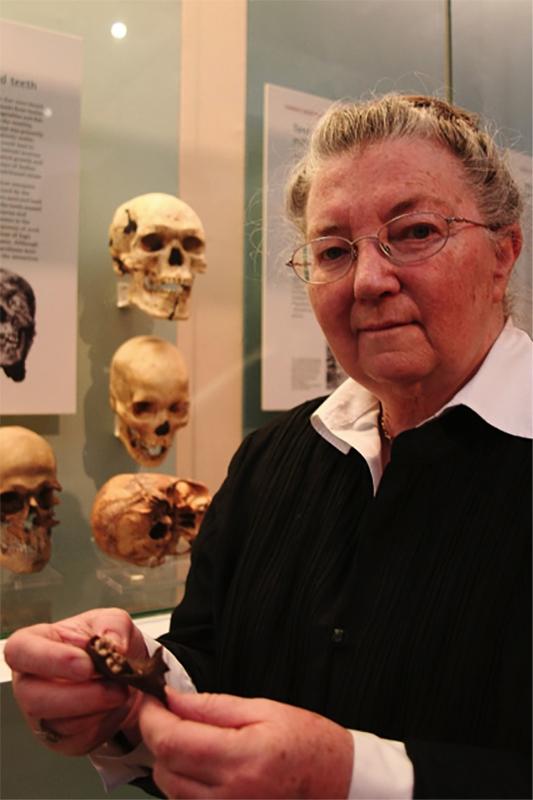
{"type": "Point", "coordinates": [374, 274]}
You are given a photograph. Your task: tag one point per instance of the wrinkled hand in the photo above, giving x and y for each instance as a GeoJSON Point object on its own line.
{"type": "Point", "coordinates": [210, 745]}
{"type": "Point", "coordinates": [66, 705]}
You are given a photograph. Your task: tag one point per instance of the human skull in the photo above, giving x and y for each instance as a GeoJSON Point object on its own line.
{"type": "Point", "coordinates": [149, 392]}
{"type": "Point", "coordinates": [143, 518]}
{"type": "Point", "coordinates": [158, 241]}
{"type": "Point", "coordinates": [28, 483]}
{"type": "Point", "coordinates": [17, 323]}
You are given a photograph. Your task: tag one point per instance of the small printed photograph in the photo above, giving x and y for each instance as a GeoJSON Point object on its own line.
{"type": "Point", "coordinates": [17, 323]}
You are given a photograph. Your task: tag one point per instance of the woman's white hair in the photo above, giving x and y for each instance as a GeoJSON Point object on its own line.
{"type": "Point", "coordinates": [350, 126]}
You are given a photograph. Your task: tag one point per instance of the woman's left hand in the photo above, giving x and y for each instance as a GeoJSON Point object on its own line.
{"type": "Point", "coordinates": [219, 745]}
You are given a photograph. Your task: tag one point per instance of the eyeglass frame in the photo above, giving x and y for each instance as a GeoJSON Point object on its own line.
{"type": "Point", "coordinates": [382, 248]}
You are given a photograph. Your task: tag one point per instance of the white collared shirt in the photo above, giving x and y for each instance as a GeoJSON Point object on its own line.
{"type": "Point", "coordinates": [349, 417]}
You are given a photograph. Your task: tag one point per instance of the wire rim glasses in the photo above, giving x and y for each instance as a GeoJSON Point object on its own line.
{"type": "Point", "coordinates": [405, 239]}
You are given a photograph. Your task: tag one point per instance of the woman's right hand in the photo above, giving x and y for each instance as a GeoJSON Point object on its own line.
{"type": "Point", "coordinates": [66, 704]}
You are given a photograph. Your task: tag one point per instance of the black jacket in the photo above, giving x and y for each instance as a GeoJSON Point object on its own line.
{"type": "Point", "coordinates": [406, 614]}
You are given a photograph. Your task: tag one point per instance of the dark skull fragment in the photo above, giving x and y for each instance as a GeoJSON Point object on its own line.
{"type": "Point", "coordinates": [146, 674]}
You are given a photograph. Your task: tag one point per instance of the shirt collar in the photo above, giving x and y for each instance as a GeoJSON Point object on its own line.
{"type": "Point", "coordinates": [500, 392]}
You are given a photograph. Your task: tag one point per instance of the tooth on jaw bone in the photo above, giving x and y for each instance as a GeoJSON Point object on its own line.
{"type": "Point", "coordinates": [169, 288]}
{"type": "Point", "coordinates": [146, 674]}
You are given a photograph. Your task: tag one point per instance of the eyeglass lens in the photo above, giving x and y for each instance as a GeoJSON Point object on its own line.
{"type": "Point", "coordinates": [406, 239]}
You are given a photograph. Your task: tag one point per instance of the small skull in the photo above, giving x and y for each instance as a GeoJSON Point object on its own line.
{"type": "Point", "coordinates": [158, 241]}
{"type": "Point", "coordinates": [28, 483]}
{"type": "Point", "coordinates": [144, 518]}
{"type": "Point", "coordinates": [149, 392]}
{"type": "Point", "coordinates": [17, 323]}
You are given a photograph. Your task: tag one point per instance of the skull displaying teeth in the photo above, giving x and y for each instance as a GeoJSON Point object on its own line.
{"type": "Point", "coordinates": [149, 393]}
{"type": "Point", "coordinates": [158, 241]}
{"type": "Point", "coordinates": [28, 483]}
{"type": "Point", "coordinates": [17, 323]}
{"type": "Point", "coordinates": [144, 518]}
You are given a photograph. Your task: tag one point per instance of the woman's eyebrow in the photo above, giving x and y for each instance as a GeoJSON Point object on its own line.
{"type": "Point", "coordinates": [404, 206]}
{"type": "Point", "coordinates": [416, 202]}
{"type": "Point", "coordinates": [324, 230]}
{"type": "Point", "coordinates": [412, 203]}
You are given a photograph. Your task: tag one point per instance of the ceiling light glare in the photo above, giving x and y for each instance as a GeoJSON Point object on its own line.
{"type": "Point", "coordinates": [118, 30]}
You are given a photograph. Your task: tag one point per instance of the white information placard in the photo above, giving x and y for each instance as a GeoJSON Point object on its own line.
{"type": "Point", "coordinates": [40, 91]}
{"type": "Point", "coordinates": [296, 362]}
{"type": "Point", "coordinates": [521, 280]}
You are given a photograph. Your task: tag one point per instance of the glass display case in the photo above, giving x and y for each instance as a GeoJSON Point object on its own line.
{"type": "Point", "coordinates": [128, 146]}
{"type": "Point", "coordinates": [172, 101]}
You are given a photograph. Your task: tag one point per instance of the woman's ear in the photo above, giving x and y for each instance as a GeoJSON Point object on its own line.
{"type": "Point", "coordinates": [508, 247]}
{"type": "Point", "coordinates": [509, 243]}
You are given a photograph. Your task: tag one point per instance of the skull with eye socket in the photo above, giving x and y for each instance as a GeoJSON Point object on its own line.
{"type": "Point", "coordinates": [158, 241]}
{"type": "Point", "coordinates": [149, 393]}
{"type": "Point", "coordinates": [144, 518]}
{"type": "Point", "coordinates": [28, 483]}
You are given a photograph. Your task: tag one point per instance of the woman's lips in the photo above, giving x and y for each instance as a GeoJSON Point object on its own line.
{"type": "Point", "coordinates": [383, 326]}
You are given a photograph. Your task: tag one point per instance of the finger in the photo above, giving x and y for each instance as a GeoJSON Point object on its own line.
{"type": "Point", "coordinates": [40, 655]}
{"type": "Point", "coordinates": [223, 710]}
{"type": "Point", "coordinates": [40, 698]}
{"type": "Point", "coordinates": [84, 725]}
{"type": "Point", "coordinates": [77, 735]}
{"type": "Point", "coordinates": [113, 623]}
{"type": "Point", "coordinates": [31, 649]}
{"type": "Point", "coordinates": [193, 749]}
{"type": "Point", "coordinates": [116, 625]}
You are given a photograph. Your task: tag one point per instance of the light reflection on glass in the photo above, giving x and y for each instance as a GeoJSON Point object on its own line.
{"type": "Point", "coordinates": [118, 30]}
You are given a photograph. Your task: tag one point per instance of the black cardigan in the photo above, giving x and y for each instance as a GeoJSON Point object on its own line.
{"type": "Point", "coordinates": [406, 614]}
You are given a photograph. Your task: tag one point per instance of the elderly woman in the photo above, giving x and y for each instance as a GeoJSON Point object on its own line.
{"type": "Point", "coordinates": [365, 568]}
